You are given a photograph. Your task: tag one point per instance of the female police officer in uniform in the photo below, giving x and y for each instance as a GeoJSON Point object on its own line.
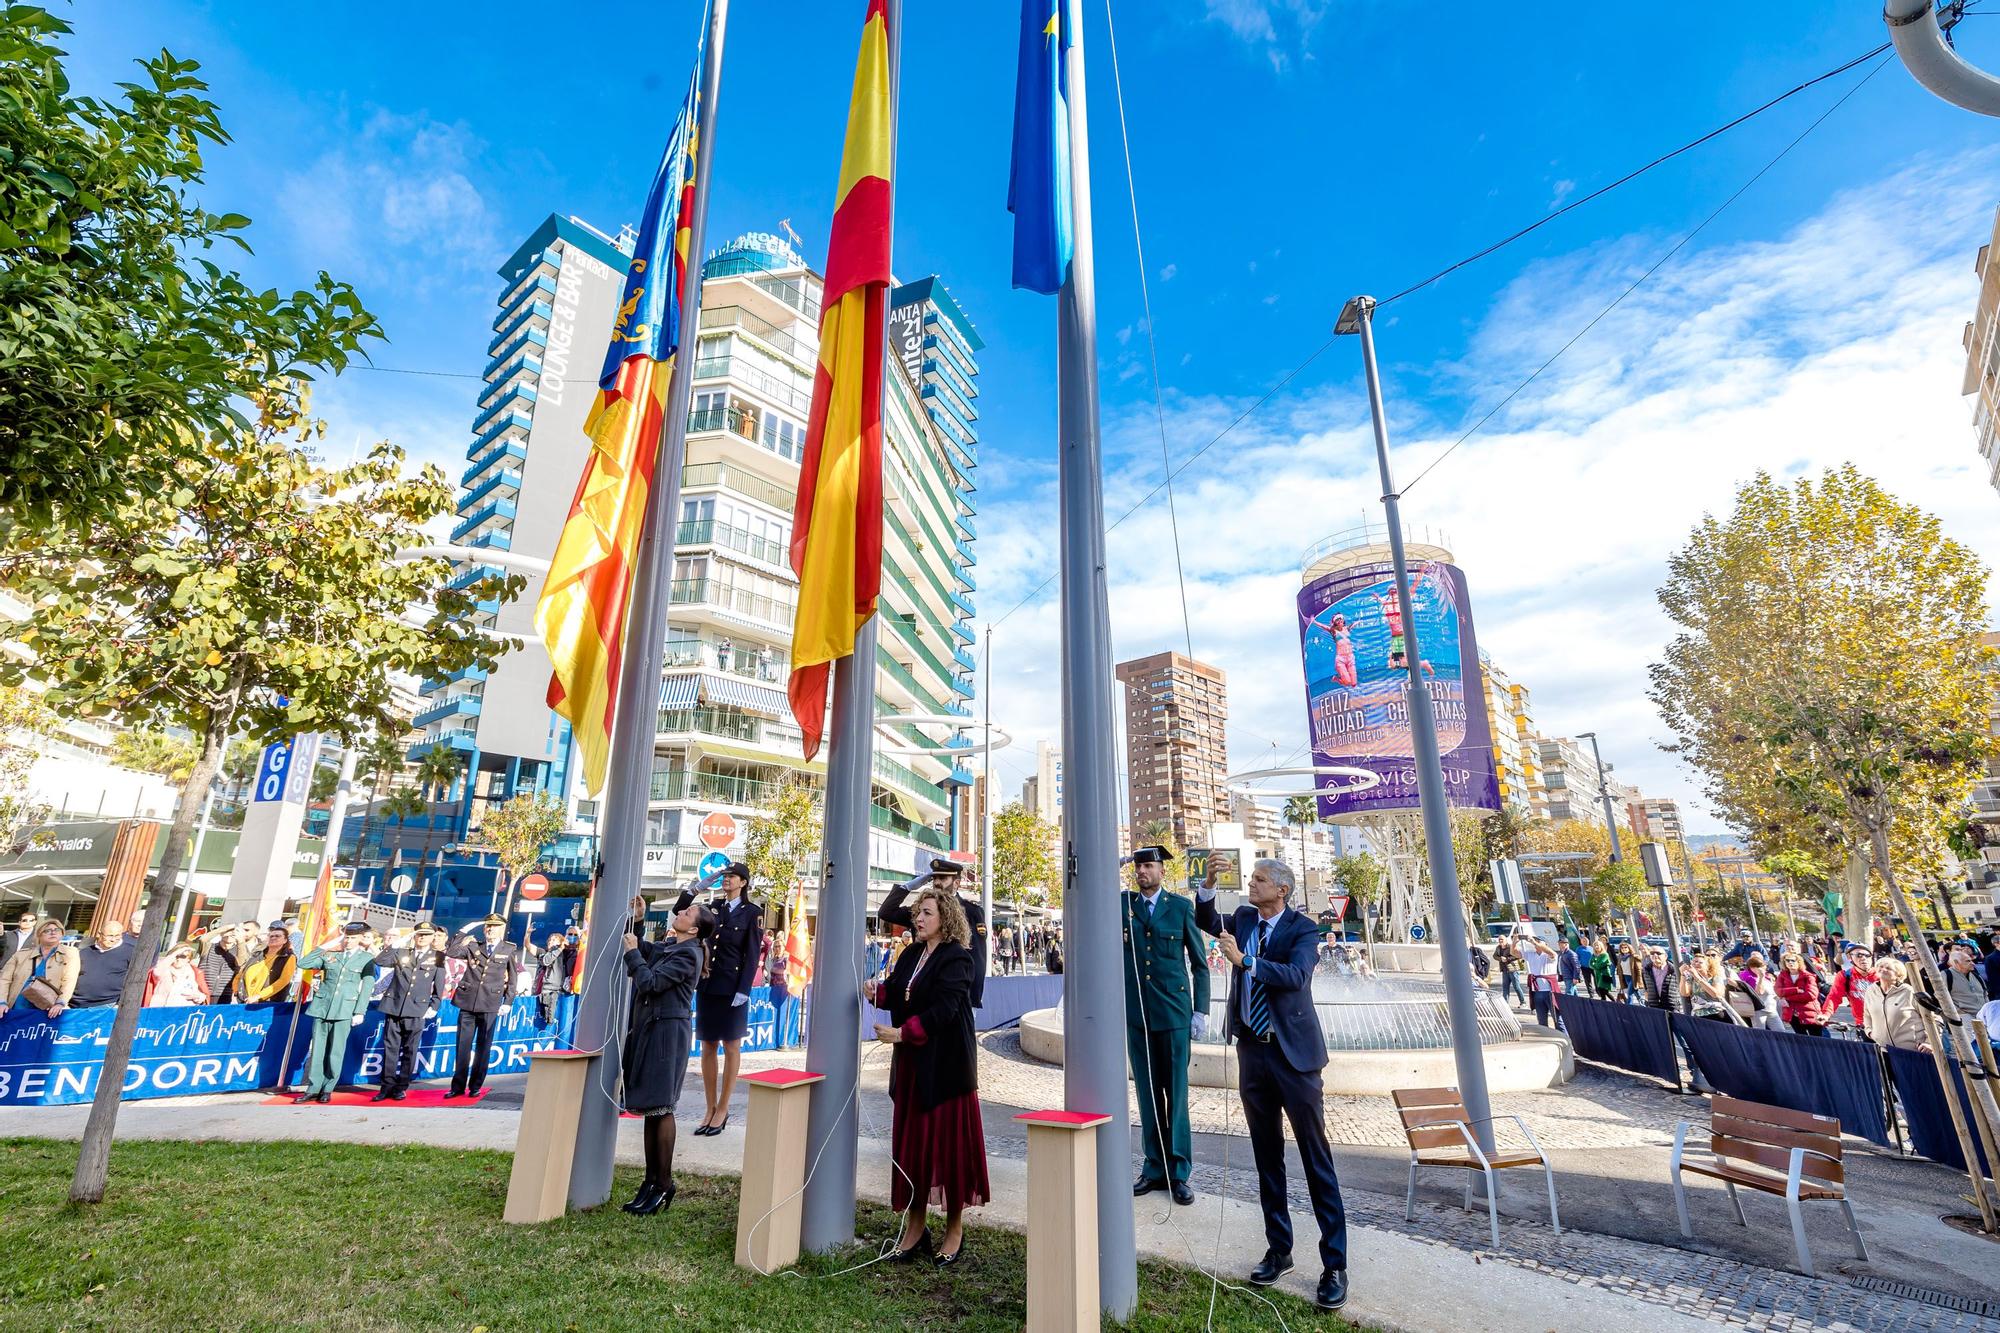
{"type": "Point", "coordinates": [722, 1008]}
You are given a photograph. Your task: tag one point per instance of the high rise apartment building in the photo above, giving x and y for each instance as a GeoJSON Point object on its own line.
{"type": "Point", "coordinates": [1660, 820]}
{"type": "Point", "coordinates": [724, 735]}
{"type": "Point", "coordinates": [1982, 359]}
{"type": "Point", "coordinates": [1570, 776]}
{"type": "Point", "coordinates": [1517, 755]}
{"type": "Point", "coordinates": [558, 294]}
{"type": "Point", "coordinates": [1176, 744]}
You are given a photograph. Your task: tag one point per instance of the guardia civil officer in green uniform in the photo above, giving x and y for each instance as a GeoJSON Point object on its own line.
{"type": "Point", "coordinates": [1166, 1000]}
{"type": "Point", "coordinates": [346, 985]}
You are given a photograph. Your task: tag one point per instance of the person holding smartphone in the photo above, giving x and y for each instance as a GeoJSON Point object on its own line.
{"type": "Point", "coordinates": [659, 1036]}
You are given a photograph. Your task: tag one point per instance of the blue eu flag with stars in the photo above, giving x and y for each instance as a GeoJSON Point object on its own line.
{"type": "Point", "coordinates": [1038, 185]}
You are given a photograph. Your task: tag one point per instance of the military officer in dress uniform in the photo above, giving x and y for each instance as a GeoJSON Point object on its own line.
{"type": "Point", "coordinates": [1166, 1000]}
{"type": "Point", "coordinates": [954, 876]}
{"type": "Point", "coordinates": [415, 985]}
{"type": "Point", "coordinates": [346, 981]}
{"type": "Point", "coordinates": [486, 987]}
{"type": "Point", "coordinates": [722, 996]}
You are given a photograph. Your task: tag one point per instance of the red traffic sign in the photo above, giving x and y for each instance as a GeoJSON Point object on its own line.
{"type": "Point", "coordinates": [1338, 905]}
{"type": "Point", "coordinates": [534, 887]}
{"type": "Point", "coordinates": [718, 830]}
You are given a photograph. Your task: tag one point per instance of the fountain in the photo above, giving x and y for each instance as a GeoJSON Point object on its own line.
{"type": "Point", "coordinates": [1383, 1030]}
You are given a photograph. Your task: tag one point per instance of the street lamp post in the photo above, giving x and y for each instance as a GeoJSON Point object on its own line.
{"type": "Point", "coordinates": [1455, 953]}
{"type": "Point", "coordinates": [1611, 823]}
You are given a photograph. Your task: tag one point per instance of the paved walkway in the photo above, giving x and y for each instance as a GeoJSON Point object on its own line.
{"type": "Point", "coordinates": [1437, 1272]}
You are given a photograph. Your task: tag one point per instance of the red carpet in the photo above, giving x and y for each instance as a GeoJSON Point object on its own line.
{"type": "Point", "coordinates": [352, 1097]}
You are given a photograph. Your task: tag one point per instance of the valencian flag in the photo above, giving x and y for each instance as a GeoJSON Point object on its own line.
{"type": "Point", "coordinates": [581, 615]}
{"type": "Point", "coordinates": [1038, 184]}
{"type": "Point", "coordinates": [837, 523]}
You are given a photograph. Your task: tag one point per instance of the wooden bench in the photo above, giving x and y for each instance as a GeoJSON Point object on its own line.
{"type": "Point", "coordinates": [1440, 1134]}
{"type": "Point", "coordinates": [1794, 1155]}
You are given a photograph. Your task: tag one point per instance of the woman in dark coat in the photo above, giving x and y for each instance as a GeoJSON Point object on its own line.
{"type": "Point", "coordinates": [735, 967]}
{"type": "Point", "coordinates": [938, 1143]}
{"type": "Point", "coordinates": [660, 1036]}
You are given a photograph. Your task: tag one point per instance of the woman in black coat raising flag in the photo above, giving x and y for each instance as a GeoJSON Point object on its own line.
{"type": "Point", "coordinates": [660, 1036]}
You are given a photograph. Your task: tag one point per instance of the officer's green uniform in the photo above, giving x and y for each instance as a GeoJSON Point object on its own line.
{"type": "Point", "coordinates": [346, 984]}
{"type": "Point", "coordinates": [1162, 949]}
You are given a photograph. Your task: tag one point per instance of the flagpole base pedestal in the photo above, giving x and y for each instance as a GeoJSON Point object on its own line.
{"type": "Point", "coordinates": [545, 1147]}
{"type": "Point", "coordinates": [1062, 1220]}
{"type": "Point", "coordinates": [771, 1204]}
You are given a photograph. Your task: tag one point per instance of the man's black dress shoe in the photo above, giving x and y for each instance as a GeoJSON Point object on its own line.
{"type": "Point", "coordinates": [1144, 1186]}
{"type": "Point", "coordinates": [1332, 1293]}
{"type": "Point", "coordinates": [1275, 1266]}
{"type": "Point", "coordinates": [1183, 1193]}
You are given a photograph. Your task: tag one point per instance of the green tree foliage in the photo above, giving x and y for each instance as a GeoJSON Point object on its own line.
{"type": "Point", "coordinates": [1828, 678]}
{"type": "Point", "coordinates": [785, 835]}
{"type": "Point", "coordinates": [1360, 876]}
{"type": "Point", "coordinates": [1158, 833]}
{"type": "Point", "coordinates": [125, 346]}
{"type": "Point", "coordinates": [1024, 867]}
{"type": "Point", "coordinates": [437, 771]}
{"type": "Point", "coordinates": [24, 721]}
{"type": "Point", "coordinates": [520, 829]}
{"type": "Point", "coordinates": [262, 594]}
{"type": "Point", "coordinates": [150, 751]}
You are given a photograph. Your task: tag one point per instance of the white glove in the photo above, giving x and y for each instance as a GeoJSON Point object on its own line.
{"type": "Point", "coordinates": [741, 999]}
{"type": "Point", "coordinates": [355, 1021]}
{"type": "Point", "coordinates": [1198, 1027]}
{"type": "Point", "coordinates": [430, 1013]}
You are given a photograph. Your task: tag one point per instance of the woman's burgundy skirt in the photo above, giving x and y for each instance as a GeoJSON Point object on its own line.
{"type": "Point", "coordinates": [940, 1154]}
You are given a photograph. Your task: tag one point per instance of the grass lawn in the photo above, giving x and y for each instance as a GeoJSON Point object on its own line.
{"type": "Point", "coordinates": [338, 1236]}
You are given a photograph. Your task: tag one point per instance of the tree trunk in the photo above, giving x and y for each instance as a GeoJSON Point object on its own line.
{"type": "Point", "coordinates": [93, 1163]}
{"type": "Point", "coordinates": [1984, 1114]}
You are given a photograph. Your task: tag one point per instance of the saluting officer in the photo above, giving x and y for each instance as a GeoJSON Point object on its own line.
{"type": "Point", "coordinates": [953, 877]}
{"type": "Point", "coordinates": [337, 1003]}
{"type": "Point", "coordinates": [722, 996]}
{"type": "Point", "coordinates": [415, 984]}
{"type": "Point", "coordinates": [485, 988]}
{"type": "Point", "coordinates": [1166, 999]}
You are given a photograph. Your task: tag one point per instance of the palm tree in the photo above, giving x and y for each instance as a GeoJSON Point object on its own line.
{"type": "Point", "coordinates": [402, 803]}
{"type": "Point", "coordinates": [437, 770]}
{"type": "Point", "coordinates": [1302, 811]}
{"type": "Point", "coordinates": [1156, 833]}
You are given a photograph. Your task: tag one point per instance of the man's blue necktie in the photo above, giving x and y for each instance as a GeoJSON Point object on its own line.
{"type": "Point", "coordinates": [1256, 1011]}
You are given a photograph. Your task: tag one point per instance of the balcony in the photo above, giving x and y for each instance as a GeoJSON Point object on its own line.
{"type": "Point", "coordinates": [522, 371]}
{"type": "Point", "coordinates": [496, 539]}
{"type": "Point", "coordinates": [514, 399]}
{"type": "Point", "coordinates": [486, 513]}
{"type": "Point", "coordinates": [708, 532]}
{"type": "Point", "coordinates": [746, 484]}
{"type": "Point", "coordinates": [712, 592]}
{"type": "Point", "coordinates": [509, 324]}
{"type": "Point", "coordinates": [512, 450]}
{"type": "Point", "coordinates": [462, 740]}
{"type": "Point", "coordinates": [923, 834]}
{"type": "Point", "coordinates": [963, 658]}
{"type": "Point", "coordinates": [729, 725]}
{"type": "Point", "coordinates": [456, 705]}
{"type": "Point", "coordinates": [526, 338]}
{"type": "Point", "coordinates": [693, 785]}
{"type": "Point", "coordinates": [468, 675]}
{"type": "Point", "coordinates": [481, 440]}
{"type": "Point", "coordinates": [795, 396]}
{"type": "Point", "coordinates": [507, 479]}
{"type": "Point", "coordinates": [537, 282]}
{"type": "Point", "coordinates": [779, 340]}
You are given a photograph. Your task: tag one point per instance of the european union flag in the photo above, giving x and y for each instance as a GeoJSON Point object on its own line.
{"type": "Point", "coordinates": [1038, 185]}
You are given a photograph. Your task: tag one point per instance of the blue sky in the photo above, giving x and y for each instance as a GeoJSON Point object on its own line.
{"type": "Point", "coordinates": [1287, 153]}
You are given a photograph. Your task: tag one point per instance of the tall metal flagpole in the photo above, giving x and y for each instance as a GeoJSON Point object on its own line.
{"type": "Point", "coordinates": [1094, 980]}
{"type": "Point", "coordinates": [1456, 957]}
{"type": "Point", "coordinates": [833, 1045]}
{"type": "Point", "coordinates": [986, 806]}
{"type": "Point", "coordinates": [600, 1024]}
{"type": "Point", "coordinates": [1611, 825]}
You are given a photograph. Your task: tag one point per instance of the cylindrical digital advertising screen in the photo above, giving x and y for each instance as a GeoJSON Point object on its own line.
{"type": "Point", "coordinates": [1352, 635]}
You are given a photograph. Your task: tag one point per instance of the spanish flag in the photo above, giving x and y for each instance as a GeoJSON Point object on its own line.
{"type": "Point", "coordinates": [837, 524]}
{"type": "Point", "coordinates": [581, 615]}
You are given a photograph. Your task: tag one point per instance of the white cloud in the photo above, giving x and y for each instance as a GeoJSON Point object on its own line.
{"type": "Point", "coordinates": [1279, 28]}
{"type": "Point", "coordinates": [1563, 190]}
{"type": "Point", "coordinates": [1167, 273]}
{"type": "Point", "coordinates": [1836, 341]}
{"type": "Point", "coordinates": [395, 202]}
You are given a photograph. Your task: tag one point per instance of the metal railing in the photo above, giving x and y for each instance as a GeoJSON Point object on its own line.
{"type": "Point", "coordinates": [714, 593]}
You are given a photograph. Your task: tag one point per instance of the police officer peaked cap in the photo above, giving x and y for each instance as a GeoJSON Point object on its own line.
{"type": "Point", "coordinates": [1147, 856]}
{"type": "Point", "coordinates": [355, 928]}
{"type": "Point", "coordinates": [944, 865]}
{"type": "Point", "coordinates": [740, 869]}
{"type": "Point", "coordinates": [494, 919]}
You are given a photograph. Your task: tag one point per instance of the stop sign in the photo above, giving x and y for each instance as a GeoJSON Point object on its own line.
{"type": "Point", "coordinates": [718, 830]}
{"type": "Point", "coordinates": [535, 886]}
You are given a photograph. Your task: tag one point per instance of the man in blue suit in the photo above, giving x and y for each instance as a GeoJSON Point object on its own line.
{"type": "Point", "coordinates": [1272, 948]}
